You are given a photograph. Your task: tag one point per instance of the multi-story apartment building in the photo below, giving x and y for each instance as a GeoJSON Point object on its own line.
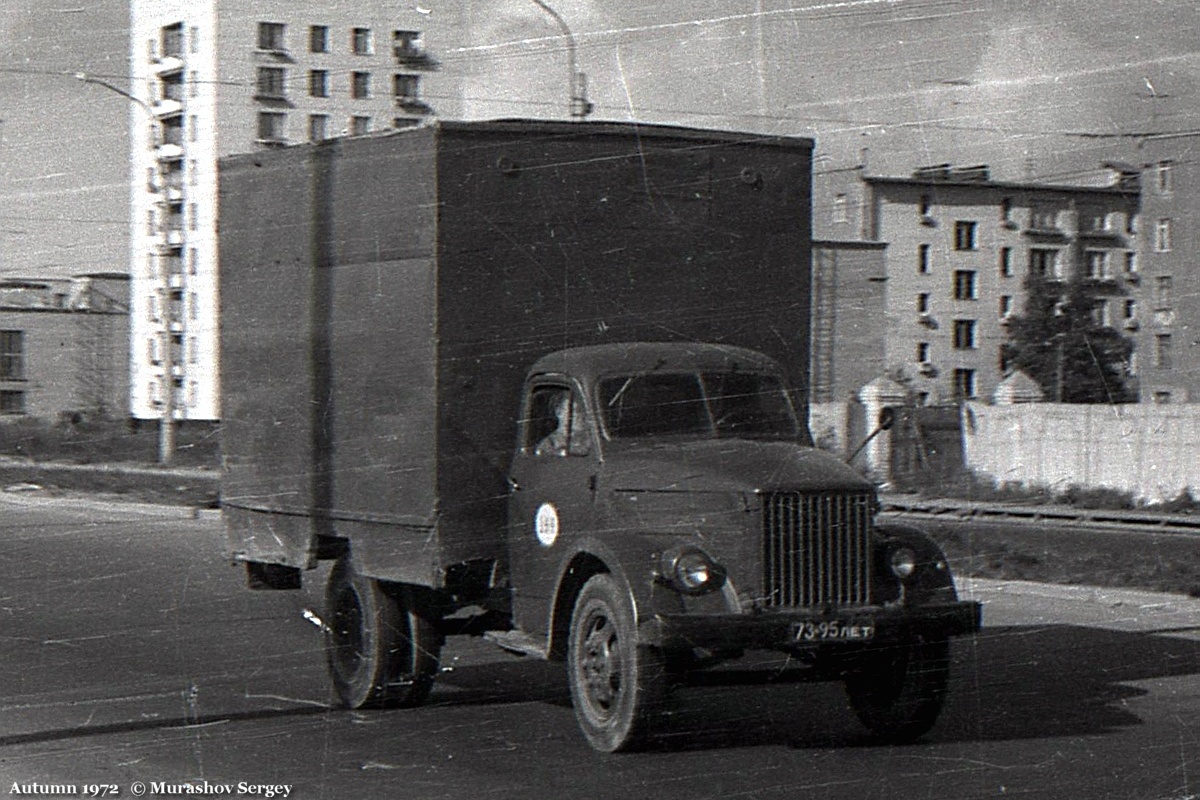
{"type": "Point", "coordinates": [213, 77]}
{"type": "Point", "coordinates": [63, 346]}
{"type": "Point", "coordinates": [959, 247]}
{"type": "Point", "coordinates": [1168, 334]}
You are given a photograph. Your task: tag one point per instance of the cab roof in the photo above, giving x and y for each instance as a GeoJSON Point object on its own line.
{"type": "Point", "coordinates": [634, 357]}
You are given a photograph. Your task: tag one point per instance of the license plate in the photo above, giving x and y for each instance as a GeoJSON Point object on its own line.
{"type": "Point", "coordinates": [834, 630]}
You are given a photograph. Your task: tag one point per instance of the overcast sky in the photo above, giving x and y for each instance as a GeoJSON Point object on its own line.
{"type": "Point", "coordinates": [1011, 83]}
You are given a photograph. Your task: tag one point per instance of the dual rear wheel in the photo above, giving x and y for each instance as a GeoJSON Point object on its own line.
{"type": "Point", "coordinates": [382, 647]}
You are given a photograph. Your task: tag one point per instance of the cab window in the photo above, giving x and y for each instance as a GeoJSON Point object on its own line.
{"type": "Point", "coordinates": [556, 425]}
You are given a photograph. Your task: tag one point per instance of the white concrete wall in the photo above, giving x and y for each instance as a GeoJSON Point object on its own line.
{"type": "Point", "coordinates": [1148, 450]}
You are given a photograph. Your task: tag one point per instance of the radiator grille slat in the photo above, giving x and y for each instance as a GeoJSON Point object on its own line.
{"type": "Point", "coordinates": [816, 549]}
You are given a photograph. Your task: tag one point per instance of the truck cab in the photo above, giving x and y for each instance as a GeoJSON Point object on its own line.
{"type": "Point", "coordinates": [667, 512]}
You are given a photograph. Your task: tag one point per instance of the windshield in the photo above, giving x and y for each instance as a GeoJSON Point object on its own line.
{"type": "Point", "coordinates": [706, 405]}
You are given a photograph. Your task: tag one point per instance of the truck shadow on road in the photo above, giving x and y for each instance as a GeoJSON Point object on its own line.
{"type": "Point", "coordinates": [1019, 682]}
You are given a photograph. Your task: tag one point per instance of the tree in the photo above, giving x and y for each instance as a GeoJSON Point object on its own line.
{"type": "Point", "coordinates": [1060, 344]}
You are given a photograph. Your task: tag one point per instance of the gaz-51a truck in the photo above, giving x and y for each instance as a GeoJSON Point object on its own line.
{"type": "Point", "coordinates": [530, 380]}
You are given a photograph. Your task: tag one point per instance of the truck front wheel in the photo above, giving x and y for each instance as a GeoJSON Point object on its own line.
{"type": "Point", "coordinates": [617, 685]}
{"type": "Point", "coordinates": [897, 691]}
{"type": "Point", "coordinates": [381, 648]}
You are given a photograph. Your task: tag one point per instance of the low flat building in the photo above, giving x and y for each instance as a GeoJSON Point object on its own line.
{"type": "Point", "coordinates": [64, 347]}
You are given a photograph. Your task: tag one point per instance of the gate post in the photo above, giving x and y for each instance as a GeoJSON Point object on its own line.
{"type": "Point", "coordinates": [876, 456]}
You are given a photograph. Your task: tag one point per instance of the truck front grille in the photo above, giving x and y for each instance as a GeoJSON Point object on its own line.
{"type": "Point", "coordinates": [816, 549]}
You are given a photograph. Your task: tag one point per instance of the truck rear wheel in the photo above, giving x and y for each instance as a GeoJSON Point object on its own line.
{"type": "Point", "coordinates": [897, 691]}
{"type": "Point", "coordinates": [381, 648]}
{"type": "Point", "coordinates": [617, 685]}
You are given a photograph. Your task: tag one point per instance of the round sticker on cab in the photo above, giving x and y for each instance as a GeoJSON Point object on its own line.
{"type": "Point", "coordinates": [545, 524]}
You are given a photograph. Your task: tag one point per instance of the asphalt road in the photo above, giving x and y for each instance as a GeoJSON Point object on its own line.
{"type": "Point", "coordinates": [132, 653]}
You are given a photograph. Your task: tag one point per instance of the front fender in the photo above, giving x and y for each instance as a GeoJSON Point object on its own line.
{"type": "Point", "coordinates": [933, 580]}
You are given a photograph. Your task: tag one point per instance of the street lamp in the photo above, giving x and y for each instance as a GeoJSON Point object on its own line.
{"type": "Point", "coordinates": [166, 421]}
{"type": "Point", "coordinates": [580, 107]}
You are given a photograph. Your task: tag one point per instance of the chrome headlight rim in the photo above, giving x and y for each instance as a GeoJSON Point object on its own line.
{"type": "Point", "coordinates": [691, 571]}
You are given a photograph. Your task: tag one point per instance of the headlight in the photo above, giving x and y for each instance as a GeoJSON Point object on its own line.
{"type": "Point", "coordinates": [691, 571]}
{"type": "Point", "coordinates": [903, 562]}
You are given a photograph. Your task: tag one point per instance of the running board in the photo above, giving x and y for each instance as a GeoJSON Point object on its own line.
{"type": "Point", "coordinates": [517, 642]}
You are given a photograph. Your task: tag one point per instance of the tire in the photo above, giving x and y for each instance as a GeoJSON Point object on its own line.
{"type": "Point", "coordinates": [897, 691]}
{"type": "Point", "coordinates": [617, 686]}
{"type": "Point", "coordinates": [381, 648]}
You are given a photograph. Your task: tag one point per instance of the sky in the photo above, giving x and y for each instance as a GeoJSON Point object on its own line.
{"type": "Point", "coordinates": [1038, 89]}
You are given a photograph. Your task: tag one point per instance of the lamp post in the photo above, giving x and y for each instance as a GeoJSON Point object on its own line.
{"type": "Point", "coordinates": [166, 421]}
{"type": "Point", "coordinates": [580, 106]}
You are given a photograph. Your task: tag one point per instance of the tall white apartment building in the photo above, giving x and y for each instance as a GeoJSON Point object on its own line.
{"type": "Point", "coordinates": [214, 77]}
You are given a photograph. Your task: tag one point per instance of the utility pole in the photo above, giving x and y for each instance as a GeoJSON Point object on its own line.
{"type": "Point", "coordinates": [580, 107]}
{"type": "Point", "coordinates": [166, 420]}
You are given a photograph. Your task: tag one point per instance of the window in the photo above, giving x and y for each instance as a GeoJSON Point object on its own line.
{"type": "Point", "coordinates": [1162, 236]}
{"type": "Point", "coordinates": [923, 303]}
{"type": "Point", "coordinates": [1162, 291]}
{"type": "Point", "coordinates": [360, 42]}
{"type": "Point", "coordinates": [964, 284]}
{"type": "Point", "coordinates": [1044, 263]}
{"type": "Point", "coordinates": [1006, 210]}
{"type": "Point", "coordinates": [964, 384]}
{"type": "Point", "coordinates": [1096, 262]}
{"type": "Point", "coordinates": [1100, 315]}
{"type": "Point", "coordinates": [1130, 309]}
{"type": "Point", "coordinates": [1006, 262]}
{"type": "Point", "coordinates": [964, 235]}
{"type": "Point", "coordinates": [359, 125]}
{"type": "Point", "coordinates": [172, 40]}
{"type": "Point", "coordinates": [923, 352]}
{"type": "Point", "coordinates": [840, 213]}
{"type": "Point", "coordinates": [12, 402]}
{"type": "Point", "coordinates": [318, 127]}
{"type": "Point", "coordinates": [405, 87]}
{"type": "Point", "coordinates": [1044, 219]}
{"type": "Point", "coordinates": [271, 36]}
{"type": "Point", "coordinates": [925, 207]}
{"type": "Point", "coordinates": [1131, 267]}
{"type": "Point", "coordinates": [272, 126]}
{"type": "Point", "coordinates": [964, 334]}
{"type": "Point", "coordinates": [1005, 306]}
{"type": "Point", "coordinates": [1162, 177]}
{"type": "Point", "coordinates": [360, 85]}
{"type": "Point", "coordinates": [1162, 397]}
{"type": "Point", "coordinates": [318, 39]}
{"type": "Point", "coordinates": [923, 259]}
{"type": "Point", "coordinates": [194, 40]}
{"type": "Point", "coordinates": [1162, 351]}
{"type": "Point", "coordinates": [271, 82]}
{"type": "Point", "coordinates": [318, 83]}
{"type": "Point", "coordinates": [12, 355]}
{"type": "Point", "coordinates": [1094, 220]}
{"type": "Point", "coordinates": [555, 425]}
{"type": "Point", "coordinates": [406, 45]}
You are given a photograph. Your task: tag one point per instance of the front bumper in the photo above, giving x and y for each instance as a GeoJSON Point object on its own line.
{"type": "Point", "coordinates": [778, 630]}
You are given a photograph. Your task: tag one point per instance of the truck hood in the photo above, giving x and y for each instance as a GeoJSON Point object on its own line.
{"type": "Point", "coordinates": [722, 465]}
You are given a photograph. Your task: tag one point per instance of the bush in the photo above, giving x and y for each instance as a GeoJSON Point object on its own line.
{"type": "Point", "coordinates": [1100, 498]}
{"type": "Point", "coordinates": [94, 441]}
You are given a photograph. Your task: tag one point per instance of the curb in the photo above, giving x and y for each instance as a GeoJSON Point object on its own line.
{"type": "Point", "coordinates": [1166, 522]}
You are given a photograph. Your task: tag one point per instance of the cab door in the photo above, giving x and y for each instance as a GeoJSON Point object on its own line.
{"type": "Point", "coordinates": [553, 501]}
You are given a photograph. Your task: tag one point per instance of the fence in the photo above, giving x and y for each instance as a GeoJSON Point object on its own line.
{"type": "Point", "coordinates": [1148, 450]}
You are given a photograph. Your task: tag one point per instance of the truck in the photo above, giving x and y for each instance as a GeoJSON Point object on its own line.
{"type": "Point", "coordinates": [544, 382]}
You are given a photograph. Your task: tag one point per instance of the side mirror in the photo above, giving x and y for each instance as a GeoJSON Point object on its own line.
{"type": "Point", "coordinates": [887, 418]}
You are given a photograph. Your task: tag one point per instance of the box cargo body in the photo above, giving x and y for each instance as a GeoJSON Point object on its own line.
{"type": "Point", "coordinates": [382, 297]}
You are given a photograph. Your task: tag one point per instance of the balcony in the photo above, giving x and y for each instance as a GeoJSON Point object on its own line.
{"type": "Point", "coordinates": [167, 65]}
{"type": "Point", "coordinates": [412, 105]}
{"type": "Point", "coordinates": [166, 107]}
